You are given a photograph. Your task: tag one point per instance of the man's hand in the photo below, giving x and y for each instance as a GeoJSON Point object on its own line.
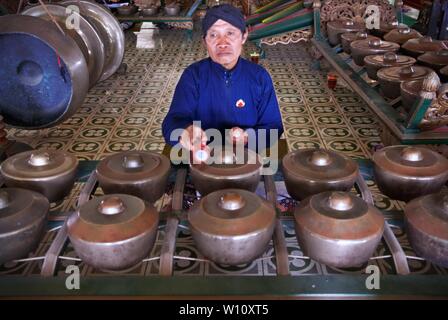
{"type": "Point", "coordinates": [193, 138]}
{"type": "Point", "coordinates": [238, 136]}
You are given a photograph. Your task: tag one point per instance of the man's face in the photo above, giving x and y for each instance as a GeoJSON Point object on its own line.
{"type": "Point", "coordinates": [224, 43]}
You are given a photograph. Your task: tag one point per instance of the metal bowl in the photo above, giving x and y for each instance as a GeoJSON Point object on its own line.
{"type": "Point", "coordinates": [349, 37]}
{"type": "Point", "coordinates": [143, 174]}
{"type": "Point", "coordinates": [363, 48]}
{"type": "Point", "coordinates": [149, 11]}
{"type": "Point", "coordinates": [311, 171]}
{"type": "Point", "coordinates": [172, 9]}
{"type": "Point", "coordinates": [49, 172]}
{"type": "Point", "coordinates": [405, 173]}
{"type": "Point", "coordinates": [409, 91]}
{"type": "Point", "coordinates": [385, 27]}
{"type": "Point", "coordinates": [426, 222]}
{"type": "Point", "coordinates": [418, 46]}
{"type": "Point", "coordinates": [336, 28]}
{"type": "Point", "coordinates": [232, 226]}
{"type": "Point", "coordinates": [391, 78]}
{"type": "Point", "coordinates": [23, 218]}
{"type": "Point", "coordinates": [401, 35]}
{"type": "Point", "coordinates": [435, 60]}
{"type": "Point", "coordinates": [374, 63]}
{"type": "Point", "coordinates": [113, 232]}
{"type": "Point", "coordinates": [338, 229]}
{"type": "Point", "coordinates": [127, 10]}
{"type": "Point", "coordinates": [234, 170]}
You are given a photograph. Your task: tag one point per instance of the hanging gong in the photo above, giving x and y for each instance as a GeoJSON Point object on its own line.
{"type": "Point", "coordinates": [44, 76]}
{"type": "Point", "coordinates": [84, 34]}
{"type": "Point", "coordinates": [109, 30]}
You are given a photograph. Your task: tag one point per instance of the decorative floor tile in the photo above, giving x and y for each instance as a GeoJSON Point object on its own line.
{"type": "Point", "coordinates": [119, 146]}
{"type": "Point", "coordinates": [304, 144]}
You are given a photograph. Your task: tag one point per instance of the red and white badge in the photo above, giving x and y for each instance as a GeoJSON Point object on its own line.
{"type": "Point", "coordinates": [240, 103]}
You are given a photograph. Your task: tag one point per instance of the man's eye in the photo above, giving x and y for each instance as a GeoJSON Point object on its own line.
{"type": "Point", "coordinates": [230, 33]}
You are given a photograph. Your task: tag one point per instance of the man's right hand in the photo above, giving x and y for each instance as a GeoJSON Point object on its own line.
{"type": "Point", "coordinates": [193, 138]}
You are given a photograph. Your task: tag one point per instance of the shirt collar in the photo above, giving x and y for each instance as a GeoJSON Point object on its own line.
{"type": "Point", "coordinates": [223, 72]}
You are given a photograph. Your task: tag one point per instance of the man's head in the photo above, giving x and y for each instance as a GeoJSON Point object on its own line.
{"type": "Point", "coordinates": [224, 30]}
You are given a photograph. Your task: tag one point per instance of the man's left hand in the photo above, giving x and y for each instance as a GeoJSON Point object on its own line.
{"type": "Point", "coordinates": [238, 136]}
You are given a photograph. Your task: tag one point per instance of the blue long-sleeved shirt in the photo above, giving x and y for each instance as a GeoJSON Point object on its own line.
{"type": "Point", "coordinates": [243, 97]}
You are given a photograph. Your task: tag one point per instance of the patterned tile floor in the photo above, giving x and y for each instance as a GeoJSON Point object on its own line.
{"type": "Point", "coordinates": [125, 112]}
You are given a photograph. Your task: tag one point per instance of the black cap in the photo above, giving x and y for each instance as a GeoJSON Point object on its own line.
{"type": "Point", "coordinates": [224, 12]}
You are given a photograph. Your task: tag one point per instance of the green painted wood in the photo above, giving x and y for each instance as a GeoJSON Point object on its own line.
{"type": "Point", "coordinates": [284, 13]}
{"type": "Point", "coordinates": [295, 23]}
{"type": "Point", "coordinates": [399, 14]}
{"type": "Point", "coordinates": [337, 286]}
{"type": "Point", "coordinates": [317, 30]}
{"type": "Point", "coordinates": [270, 5]}
{"type": "Point", "coordinates": [417, 113]}
{"type": "Point", "coordinates": [409, 21]}
{"type": "Point", "coordinates": [256, 18]}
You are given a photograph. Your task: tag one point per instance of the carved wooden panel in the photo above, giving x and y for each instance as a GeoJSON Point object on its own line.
{"type": "Point", "coordinates": [355, 10]}
{"type": "Point", "coordinates": [437, 114]}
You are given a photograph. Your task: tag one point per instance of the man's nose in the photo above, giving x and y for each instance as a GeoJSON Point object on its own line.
{"type": "Point", "coordinates": [223, 41]}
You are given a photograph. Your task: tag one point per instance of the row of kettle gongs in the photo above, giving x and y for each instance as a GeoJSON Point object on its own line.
{"type": "Point", "coordinates": [401, 172]}
{"type": "Point", "coordinates": [133, 161]}
{"type": "Point", "coordinates": [52, 173]}
{"type": "Point", "coordinates": [376, 54]}
{"type": "Point", "coordinates": [333, 226]}
{"type": "Point", "coordinates": [119, 173]}
{"type": "Point", "coordinates": [34, 179]}
{"type": "Point", "coordinates": [255, 242]}
{"type": "Point", "coordinates": [326, 163]}
{"type": "Point", "coordinates": [318, 156]}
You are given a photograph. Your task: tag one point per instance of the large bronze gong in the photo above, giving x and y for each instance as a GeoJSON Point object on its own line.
{"type": "Point", "coordinates": [44, 76]}
{"type": "Point", "coordinates": [86, 37]}
{"type": "Point", "coordinates": [109, 30]}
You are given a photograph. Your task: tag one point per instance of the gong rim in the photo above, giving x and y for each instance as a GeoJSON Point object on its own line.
{"type": "Point", "coordinates": [86, 37]}
{"type": "Point", "coordinates": [71, 58]}
{"type": "Point", "coordinates": [109, 30]}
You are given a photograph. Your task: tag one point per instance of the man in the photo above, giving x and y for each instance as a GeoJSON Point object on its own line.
{"type": "Point", "coordinates": [223, 91]}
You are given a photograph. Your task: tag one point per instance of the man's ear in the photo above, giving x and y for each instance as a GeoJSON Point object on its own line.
{"type": "Point", "coordinates": [245, 34]}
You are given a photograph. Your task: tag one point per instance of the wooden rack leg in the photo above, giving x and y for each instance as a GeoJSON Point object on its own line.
{"type": "Point", "coordinates": [167, 253]}
{"type": "Point", "coordinates": [281, 252]}
{"type": "Point", "coordinates": [398, 255]}
{"type": "Point", "coordinates": [51, 257]}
